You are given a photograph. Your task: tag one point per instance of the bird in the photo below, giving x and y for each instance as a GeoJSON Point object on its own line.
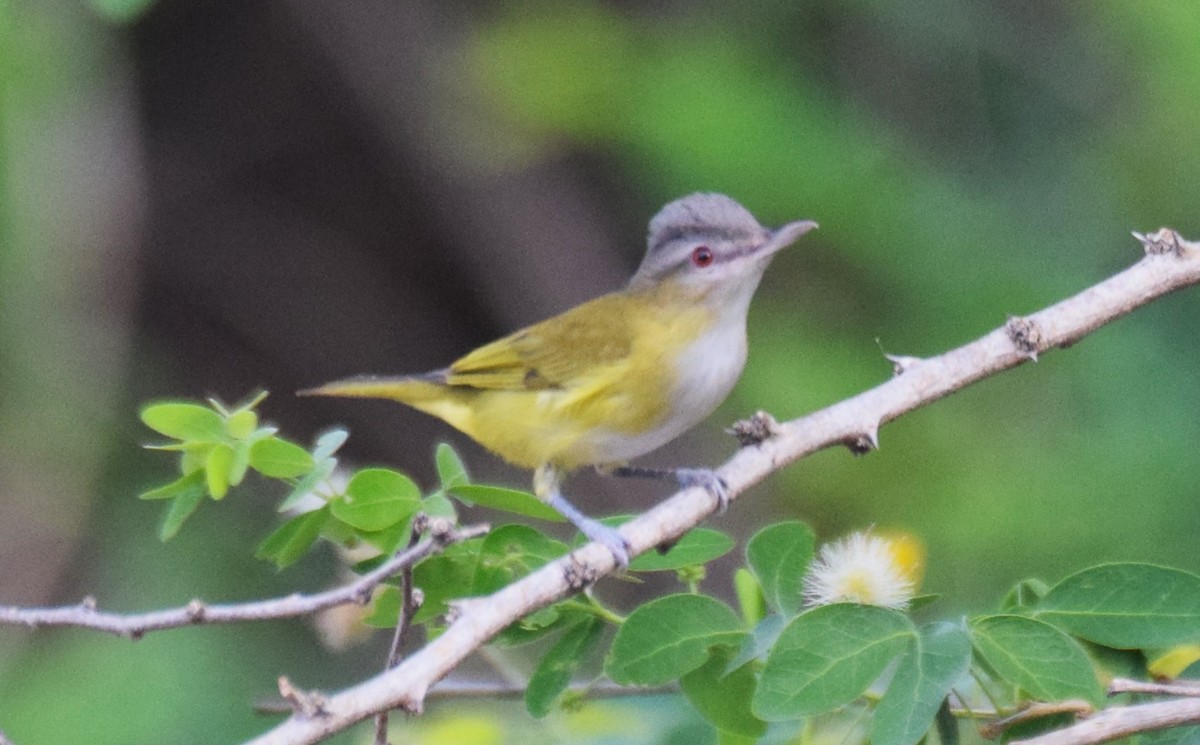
{"type": "Point", "coordinates": [618, 376]}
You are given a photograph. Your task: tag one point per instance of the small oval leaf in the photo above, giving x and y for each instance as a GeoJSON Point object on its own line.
{"type": "Point", "coordinates": [1036, 657]}
{"type": "Point", "coordinates": [937, 658]}
{"type": "Point", "coordinates": [241, 424]}
{"type": "Point", "coordinates": [217, 468]}
{"type": "Point", "coordinates": [184, 421]}
{"type": "Point", "coordinates": [669, 637]}
{"type": "Point", "coordinates": [553, 673]}
{"type": "Point", "coordinates": [292, 540]}
{"type": "Point", "coordinates": [180, 510]}
{"type": "Point", "coordinates": [780, 554]}
{"type": "Point", "coordinates": [724, 698]}
{"type": "Point", "coordinates": [698, 546]}
{"type": "Point", "coordinates": [377, 498]}
{"type": "Point", "coordinates": [507, 500]}
{"type": "Point", "coordinates": [1126, 606]}
{"type": "Point", "coordinates": [450, 468]}
{"type": "Point", "coordinates": [277, 458]}
{"type": "Point", "coordinates": [826, 658]}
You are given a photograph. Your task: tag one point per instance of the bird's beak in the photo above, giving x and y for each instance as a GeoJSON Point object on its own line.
{"type": "Point", "coordinates": [785, 236]}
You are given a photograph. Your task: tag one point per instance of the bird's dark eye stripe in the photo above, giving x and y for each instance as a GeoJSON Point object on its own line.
{"type": "Point", "coordinates": [695, 232]}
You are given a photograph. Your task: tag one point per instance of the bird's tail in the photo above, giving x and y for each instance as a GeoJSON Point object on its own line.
{"type": "Point", "coordinates": [428, 393]}
{"type": "Point", "coordinates": [411, 389]}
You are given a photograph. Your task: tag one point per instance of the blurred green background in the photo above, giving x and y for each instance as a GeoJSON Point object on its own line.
{"type": "Point", "coordinates": [210, 197]}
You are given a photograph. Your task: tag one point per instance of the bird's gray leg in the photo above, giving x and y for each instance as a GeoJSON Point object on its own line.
{"type": "Point", "coordinates": [547, 482]}
{"type": "Point", "coordinates": [705, 478]}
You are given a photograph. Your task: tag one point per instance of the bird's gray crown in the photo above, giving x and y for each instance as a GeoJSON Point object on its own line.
{"type": "Point", "coordinates": [701, 215]}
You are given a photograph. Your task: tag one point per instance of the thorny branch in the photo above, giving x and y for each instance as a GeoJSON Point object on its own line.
{"type": "Point", "coordinates": [439, 534]}
{"type": "Point", "coordinates": [1170, 264]}
{"type": "Point", "coordinates": [1122, 721]}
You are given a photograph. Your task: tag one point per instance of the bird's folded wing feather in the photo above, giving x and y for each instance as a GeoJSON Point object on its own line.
{"type": "Point", "coordinates": [558, 353]}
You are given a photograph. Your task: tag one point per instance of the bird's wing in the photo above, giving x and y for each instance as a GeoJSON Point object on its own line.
{"type": "Point", "coordinates": [557, 353]}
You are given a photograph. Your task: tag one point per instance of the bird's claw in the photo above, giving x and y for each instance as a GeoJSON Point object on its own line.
{"type": "Point", "coordinates": [709, 481]}
{"type": "Point", "coordinates": [611, 539]}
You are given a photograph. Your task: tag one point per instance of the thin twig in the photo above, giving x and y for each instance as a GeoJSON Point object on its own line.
{"type": "Point", "coordinates": [1036, 710]}
{"type": "Point", "coordinates": [1122, 721]}
{"type": "Point", "coordinates": [134, 626]}
{"type": "Point", "coordinates": [492, 691]}
{"type": "Point", "coordinates": [1170, 264]}
{"type": "Point", "coordinates": [1175, 688]}
{"type": "Point", "coordinates": [403, 621]}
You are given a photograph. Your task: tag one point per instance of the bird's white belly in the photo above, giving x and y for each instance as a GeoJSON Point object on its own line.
{"type": "Point", "coordinates": [705, 374]}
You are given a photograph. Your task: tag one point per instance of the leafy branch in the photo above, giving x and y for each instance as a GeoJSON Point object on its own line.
{"type": "Point", "coordinates": [809, 636]}
{"type": "Point", "coordinates": [439, 534]}
{"type": "Point", "coordinates": [1170, 264]}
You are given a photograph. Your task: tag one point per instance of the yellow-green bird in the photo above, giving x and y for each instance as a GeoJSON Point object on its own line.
{"type": "Point", "coordinates": [618, 376]}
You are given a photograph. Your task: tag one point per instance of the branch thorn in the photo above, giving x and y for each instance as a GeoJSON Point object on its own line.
{"type": "Point", "coordinates": [1162, 242]}
{"type": "Point", "coordinates": [195, 610]}
{"type": "Point", "coordinates": [755, 430]}
{"type": "Point", "coordinates": [578, 574]}
{"type": "Point", "coordinates": [1025, 336]}
{"type": "Point", "coordinates": [865, 442]}
{"type": "Point", "coordinates": [901, 363]}
{"type": "Point", "coordinates": [306, 704]}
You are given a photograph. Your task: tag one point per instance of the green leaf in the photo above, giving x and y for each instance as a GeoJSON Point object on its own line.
{"type": "Point", "coordinates": [179, 511]}
{"type": "Point", "coordinates": [189, 486]}
{"type": "Point", "coordinates": [385, 608]}
{"type": "Point", "coordinates": [328, 443]}
{"type": "Point", "coordinates": [307, 485]}
{"type": "Point", "coordinates": [750, 596]}
{"type": "Point", "coordinates": [184, 421]}
{"type": "Point", "coordinates": [536, 625]}
{"type": "Point", "coordinates": [194, 457]}
{"type": "Point", "coordinates": [759, 641]}
{"type": "Point", "coordinates": [450, 468]}
{"type": "Point", "coordinates": [697, 546]}
{"type": "Point", "coordinates": [1036, 657]}
{"type": "Point", "coordinates": [446, 576]}
{"type": "Point", "coordinates": [938, 656]}
{"type": "Point", "coordinates": [507, 500]}
{"type": "Point", "coordinates": [292, 540]}
{"type": "Point", "coordinates": [387, 541]}
{"type": "Point", "coordinates": [377, 498]}
{"type": "Point", "coordinates": [946, 725]}
{"type": "Point", "coordinates": [553, 673]}
{"type": "Point", "coordinates": [438, 505]}
{"type": "Point", "coordinates": [240, 463]}
{"type": "Point", "coordinates": [510, 552]}
{"type": "Point", "coordinates": [277, 458]}
{"type": "Point", "coordinates": [724, 699]}
{"type": "Point", "coordinates": [241, 424]}
{"type": "Point", "coordinates": [826, 657]}
{"type": "Point", "coordinates": [1024, 595]}
{"type": "Point", "coordinates": [217, 466]}
{"type": "Point", "coordinates": [780, 554]}
{"type": "Point", "coordinates": [669, 637]}
{"type": "Point", "coordinates": [1127, 606]}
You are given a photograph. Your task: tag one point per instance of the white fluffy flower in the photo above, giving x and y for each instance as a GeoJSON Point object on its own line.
{"type": "Point", "coordinates": [867, 569]}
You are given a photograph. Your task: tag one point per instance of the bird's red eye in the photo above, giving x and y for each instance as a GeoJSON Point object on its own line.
{"type": "Point", "coordinates": [702, 256]}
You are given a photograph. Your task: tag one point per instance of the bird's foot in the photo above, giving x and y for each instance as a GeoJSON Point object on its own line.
{"type": "Point", "coordinates": [595, 530]}
{"type": "Point", "coordinates": [708, 480]}
{"type": "Point", "coordinates": [611, 539]}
